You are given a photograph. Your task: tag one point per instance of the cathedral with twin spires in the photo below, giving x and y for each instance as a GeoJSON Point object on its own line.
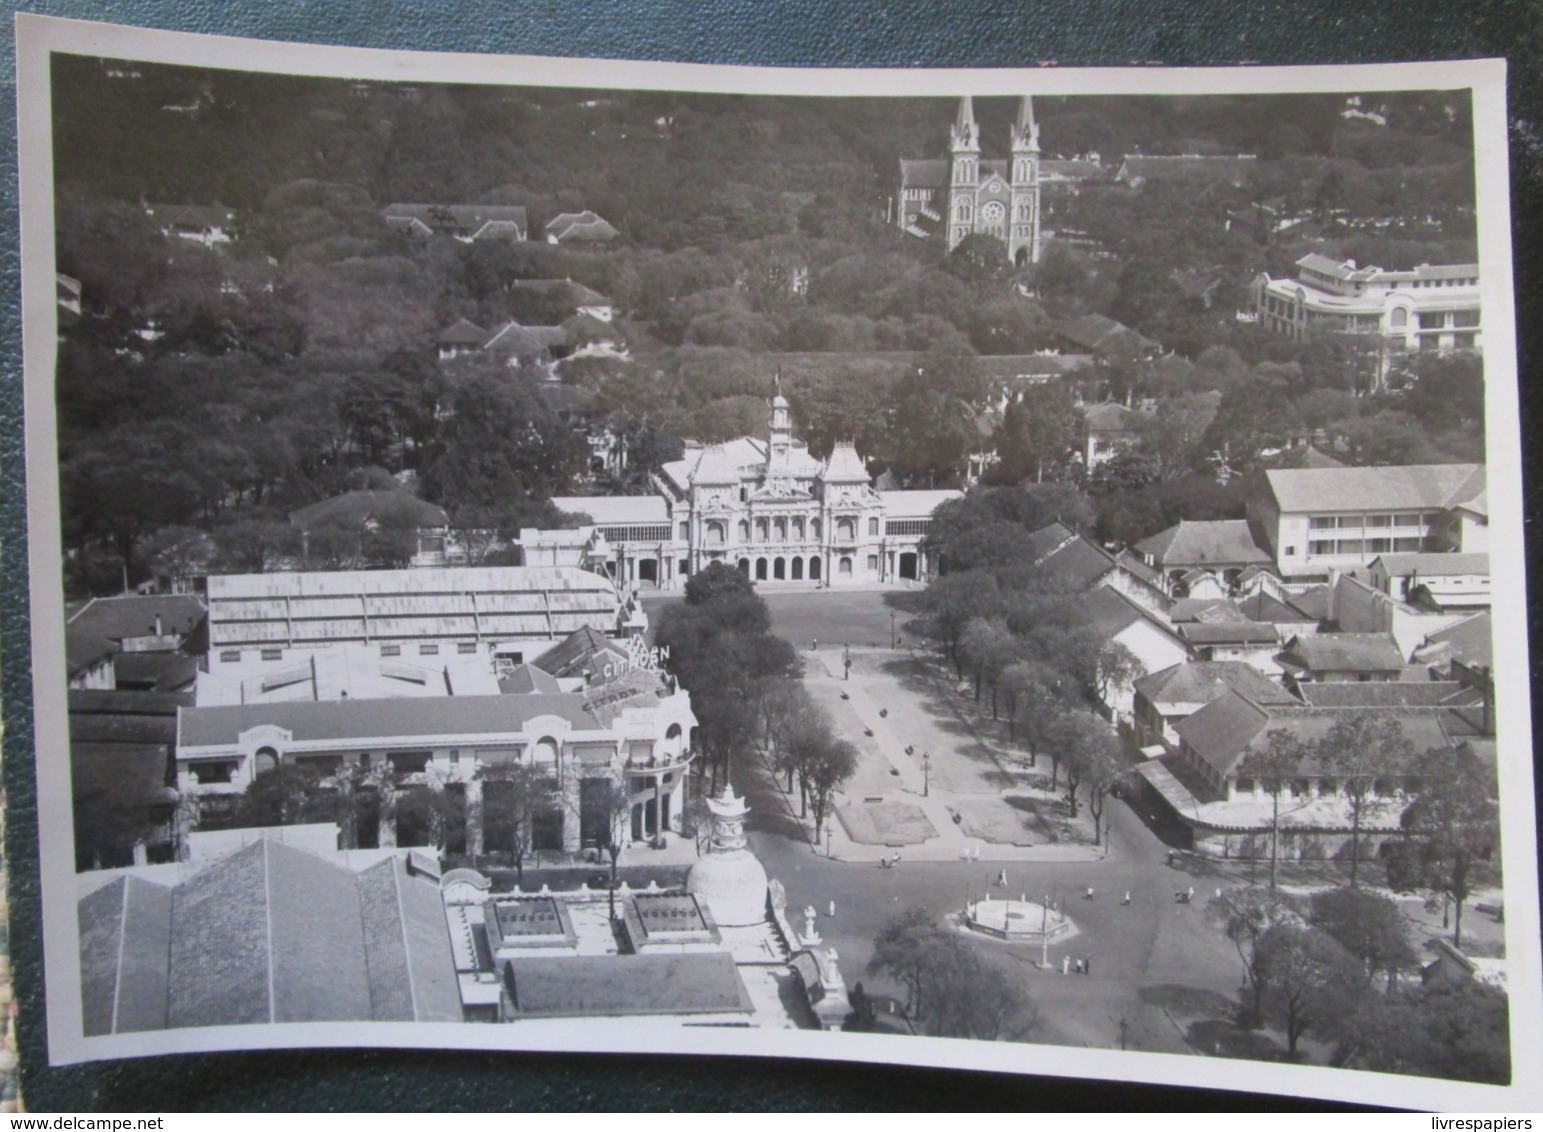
{"type": "Point", "coordinates": [964, 194]}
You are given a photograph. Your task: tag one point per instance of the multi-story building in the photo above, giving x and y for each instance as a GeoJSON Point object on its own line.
{"type": "Point", "coordinates": [1430, 308]}
{"type": "Point", "coordinates": [621, 732]}
{"type": "Point", "coordinates": [1320, 521]}
{"type": "Point", "coordinates": [765, 507]}
{"type": "Point", "coordinates": [962, 194]}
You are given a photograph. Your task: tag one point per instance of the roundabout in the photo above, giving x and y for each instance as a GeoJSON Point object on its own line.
{"type": "Point", "coordinates": [1021, 921]}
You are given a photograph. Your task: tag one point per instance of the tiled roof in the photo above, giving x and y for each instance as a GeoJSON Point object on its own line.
{"type": "Point", "coordinates": [527, 678]}
{"type": "Point", "coordinates": [1314, 601]}
{"type": "Point", "coordinates": [246, 946]}
{"type": "Point", "coordinates": [269, 933]}
{"type": "Point", "coordinates": [590, 986]}
{"type": "Point", "coordinates": [1332, 490]}
{"type": "Point", "coordinates": [1225, 730]}
{"type": "Point", "coordinates": [584, 225]}
{"type": "Point", "coordinates": [1379, 693]}
{"type": "Point", "coordinates": [1228, 633]}
{"type": "Point", "coordinates": [472, 220]}
{"type": "Point", "coordinates": [1201, 681]}
{"type": "Point", "coordinates": [1094, 330]}
{"type": "Point", "coordinates": [1261, 606]}
{"type": "Point", "coordinates": [1111, 612]}
{"type": "Point", "coordinates": [569, 656]}
{"type": "Point", "coordinates": [355, 508]}
{"type": "Point", "coordinates": [463, 332]}
{"type": "Point", "coordinates": [574, 294]}
{"type": "Point", "coordinates": [1229, 167]}
{"type": "Point", "coordinates": [1345, 652]}
{"type": "Point", "coordinates": [1187, 609]}
{"type": "Point", "coordinates": [1470, 640]}
{"type": "Point", "coordinates": [844, 466]}
{"type": "Point", "coordinates": [525, 341]}
{"type": "Point", "coordinates": [93, 632]}
{"type": "Point", "coordinates": [125, 949]}
{"type": "Point", "coordinates": [1434, 565]}
{"type": "Point", "coordinates": [1222, 542]}
{"type": "Point", "coordinates": [1109, 416]}
{"type": "Point", "coordinates": [923, 172]}
{"type": "Point", "coordinates": [406, 947]}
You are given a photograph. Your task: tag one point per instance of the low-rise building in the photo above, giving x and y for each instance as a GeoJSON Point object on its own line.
{"type": "Point", "coordinates": [1164, 698]}
{"type": "Point", "coordinates": [1224, 547]}
{"type": "Point", "coordinates": [468, 223]}
{"type": "Point", "coordinates": [1343, 656]}
{"type": "Point", "coordinates": [579, 228]}
{"type": "Point", "coordinates": [1319, 521]}
{"type": "Point", "coordinates": [1442, 582]}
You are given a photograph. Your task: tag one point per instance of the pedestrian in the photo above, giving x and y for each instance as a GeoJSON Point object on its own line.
{"type": "Point", "coordinates": [1218, 894]}
{"type": "Point", "coordinates": [1066, 962]}
{"type": "Point", "coordinates": [1191, 893]}
{"type": "Point", "coordinates": [1089, 894]}
{"type": "Point", "coordinates": [832, 911]}
{"type": "Point", "coordinates": [1126, 901]}
{"type": "Point", "coordinates": [814, 644]}
{"type": "Point", "coordinates": [1002, 878]}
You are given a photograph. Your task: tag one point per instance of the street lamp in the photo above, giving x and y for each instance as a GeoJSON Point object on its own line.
{"type": "Point", "coordinates": [926, 774]}
{"type": "Point", "coordinates": [892, 630]}
{"type": "Point", "coordinates": [827, 841]}
{"type": "Point", "coordinates": [846, 662]}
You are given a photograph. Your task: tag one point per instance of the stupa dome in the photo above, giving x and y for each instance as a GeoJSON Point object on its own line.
{"type": "Point", "coordinates": [729, 879]}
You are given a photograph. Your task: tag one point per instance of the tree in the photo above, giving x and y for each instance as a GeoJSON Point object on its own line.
{"type": "Point", "coordinates": [986, 647]}
{"type": "Point", "coordinates": [1453, 826]}
{"type": "Point", "coordinates": [716, 581]}
{"type": "Point", "coordinates": [1359, 751]}
{"type": "Point", "coordinates": [509, 794]}
{"type": "Point", "coordinates": [1369, 926]}
{"type": "Point", "coordinates": [1308, 978]}
{"type": "Point", "coordinates": [616, 812]}
{"type": "Point", "coordinates": [980, 260]}
{"type": "Point", "coordinates": [1273, 767]}
{"type": "Point", "coordinates": [955, 600]}
{"type": "Point", "coordinates": [826, 766]}
{"type": "Point", "coordinates": [1245, 915]}
{"type": "Point", "coordinates": [1036, 703]}
{"type": "Point", "coordinates": [1086, 747]}
{"type": "Point", "coordinates": [287, 794]}
{"type": "Point", "coordinates": [1040, 428]}
{"type": "Point", "coordinates": [949, 989]}
{"type": "Point", "coordinates": [1107, 775]}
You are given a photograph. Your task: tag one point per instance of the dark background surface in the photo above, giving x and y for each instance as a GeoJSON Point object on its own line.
{"type": "Point", "coordinates": [889, 33]}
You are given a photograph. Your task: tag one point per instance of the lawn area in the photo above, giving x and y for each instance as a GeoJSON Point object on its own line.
{"type": "Point", "coordinates": [885, 823]}
{"type": "Point", "coordinates": [1005, 821]}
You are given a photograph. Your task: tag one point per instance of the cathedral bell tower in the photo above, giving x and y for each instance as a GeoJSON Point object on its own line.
{"type": "Point", "coordinates": [1023, 230]}
{"type": "Point", "coordinates": [964, 174]}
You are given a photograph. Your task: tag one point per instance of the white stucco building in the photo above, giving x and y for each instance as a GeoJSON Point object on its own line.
{"type": "Point", "coordinates": [766, 507]}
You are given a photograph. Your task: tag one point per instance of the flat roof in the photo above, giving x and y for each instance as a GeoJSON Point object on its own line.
{"type": "Point", "coordinates": [588, 986]}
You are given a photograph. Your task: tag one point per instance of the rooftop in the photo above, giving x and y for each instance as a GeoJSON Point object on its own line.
{"type": "Point", "coordinates": [1344, 652]}
{"type": "Point", "coordinates": [1412, 487]}
{"type": "Point", "coordinates": [1223, 542]}
{"type": "Point", "coordinates": [600, 986]}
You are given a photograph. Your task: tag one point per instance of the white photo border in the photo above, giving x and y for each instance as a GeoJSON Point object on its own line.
{"type": "Point", "coordinates": [39, 37]}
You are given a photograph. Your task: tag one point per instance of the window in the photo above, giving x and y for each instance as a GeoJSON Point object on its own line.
{"type": "Point", "coordinates": [684, 532]}
{"type": "Point", "coordinates": [1328, 787]}
{"type": "Point", "coordinates": [873, 527]}
{"type": "Point", "coordinates": [428, 650]}
{"type": "Point", "coordinates": [1321, 522]}
{"type": "Point", "coordinates": [1290, 552]}
{"type": "Point", "coordinates": [907, 526]}
{"type": "Point", "coordinates": [455, 757]}
{"type": "Point", "coordinates": [760, 530]}
{"type": "Point", "coordinates": [390, 650]}
{"type": "Point", "coordinates": [230, 656]}
{"type": "Point", "coordinates": [1350, 546]}
{"type": "Point", "coordinates": [1378, 545]}
{"type": "Point", "coordinates": [1245, 786]}
{"type": "Point", "coordinates": [744, 530]}
{"type": "Point", "coordinates": [846, 528]}
{"type": "Point", "coordinates": [1323, 546]}
{"type": "Point", "coordinates": [1379, 520]}
{"type": "Point", "coordinates": [780, 530]}
{"type": "Point", "coordinates": [715, 532]}
{"type": "Point", "coordinates": [273, 654]}
{"type": "Point", "coordinates": [466, 648]}
{"type": "Point", "coordinates": [873, 563]}
{"type": "Point", "coordinates": [1406, 520]}
{"type": "Point", "coordinates": [1350, 522]}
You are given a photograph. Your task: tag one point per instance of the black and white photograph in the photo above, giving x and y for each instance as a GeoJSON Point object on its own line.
{"type": "Point", "coordinates": [992, 569]}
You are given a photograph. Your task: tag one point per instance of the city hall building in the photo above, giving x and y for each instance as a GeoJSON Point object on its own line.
{"type": "Point", "coordinates": [765, 507]}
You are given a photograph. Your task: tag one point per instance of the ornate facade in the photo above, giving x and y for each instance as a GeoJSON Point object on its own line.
{"type": "Point", "coordinates": [765, 507]}
{"type": "Point", "coordinates": [965, 195]}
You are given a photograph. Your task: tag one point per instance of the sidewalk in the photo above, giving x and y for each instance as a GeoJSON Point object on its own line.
{"type": "Point", "coordinates": [909, 783]}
